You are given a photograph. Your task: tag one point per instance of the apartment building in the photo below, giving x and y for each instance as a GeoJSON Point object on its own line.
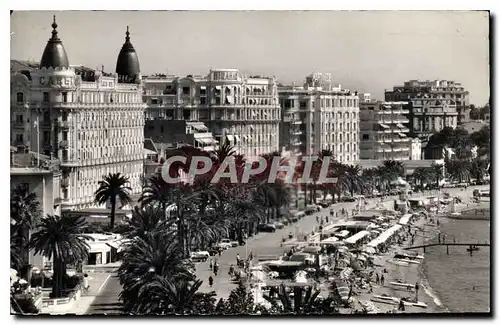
{"type": "Point", "coordinates": [383, 134]}
{"type": "Point", "coordinates": [89, 120]}
{"type": "Point", "coordinates": [320, 116]}
{"type": "Point", "coordinates": [432, 105]}
{"type": "Point", "coordinates": [242, 110]}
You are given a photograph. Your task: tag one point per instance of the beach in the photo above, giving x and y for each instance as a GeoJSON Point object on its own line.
{"type": "Point", "coordinates": [426, 232]}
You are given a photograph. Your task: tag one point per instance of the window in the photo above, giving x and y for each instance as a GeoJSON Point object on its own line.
{"type": "Point", "coordinates": [203, 100]}
{"type": "Point", "coordinates": [19, 119]}
{"type": "Point", "coordinates": [45, 97]}
{"type": "Point", "coordinates": [20, 97]}
{"type": "Point", "coordinates": [19, 137]}
{"type": "Point", "coordinates": [366, 137]}
{"type": "Point", "coordinates": [185, 90]}
{"type": "Point", "coordinates": [65, 97]}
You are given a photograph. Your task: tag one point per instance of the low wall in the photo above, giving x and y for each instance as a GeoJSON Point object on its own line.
{"type": "Point", "coordinates": [73, 296]}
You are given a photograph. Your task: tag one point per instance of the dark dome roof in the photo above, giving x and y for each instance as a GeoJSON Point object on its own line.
{"type": "Point", "coordinates": [54, 54]}
{"type": "Point", "coordinates": [127, 65]}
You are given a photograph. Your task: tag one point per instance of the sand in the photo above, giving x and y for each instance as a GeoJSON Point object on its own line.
{"type": "Point", "coordinates": [412, 273]}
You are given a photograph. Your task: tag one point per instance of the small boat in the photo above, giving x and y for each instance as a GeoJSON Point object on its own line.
{"type": "Point", "coordinates": [402, 284]}
{"type": "Point", "coordinates": [397, 262]}
{"type": "Point", "coordinates": [395, 301]}
{"type": "Point", "coordinates": [406, 260]}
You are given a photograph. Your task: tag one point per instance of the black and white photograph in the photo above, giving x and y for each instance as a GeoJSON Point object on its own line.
{"type": "Point", "coordinates": [250, 162]}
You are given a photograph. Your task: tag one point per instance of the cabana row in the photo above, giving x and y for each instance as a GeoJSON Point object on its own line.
{"type": "Point", "coordinates": [405, 219]}
{"type": "Point", "coordinates": [357, 237]}
{"type": "Point", "coordinates": [384, 236]}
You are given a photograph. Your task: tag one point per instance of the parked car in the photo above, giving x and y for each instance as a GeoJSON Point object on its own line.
{"type": "Point", "coordinates": [347, 199]}
{"type": "Point", "coordinates": [214, 250]}
{"type": "Point", "coordinates": [200, 256]}
{"type": "Point", "coordinates": [266, 228]}
{"type": "Point", "coordinates": [279, 225]}
{"type": "Point", "coordinates": [232, 243]}
{"type": "Point", "coordinates": [223, 245]}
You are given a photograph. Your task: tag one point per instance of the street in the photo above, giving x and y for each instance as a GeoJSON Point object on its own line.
{"type": "Point", "coordinates": [107, 301]}
{"type": "Point", "coordinates": [263, 244]}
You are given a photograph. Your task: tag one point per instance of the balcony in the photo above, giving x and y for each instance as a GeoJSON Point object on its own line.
{"type": "Point", "coordinates": [19, 124]}
{"type": "Point", "coordinates": [64, 124]}
{"type": "Point", "coordinates": [64, 182]}
{"type": "Point", "coordinates": [64, 144]}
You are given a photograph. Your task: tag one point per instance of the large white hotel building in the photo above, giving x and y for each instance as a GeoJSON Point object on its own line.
{"type": "Point", "coordinates": [91, 121]}
{"type": "Point", "coordinates": [320, 116]}
{"type": "Point", "coordinates": [242, 110]}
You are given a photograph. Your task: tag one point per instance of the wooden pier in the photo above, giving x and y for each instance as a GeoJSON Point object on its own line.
{"type": "Point", "coordinates": [471, 245]}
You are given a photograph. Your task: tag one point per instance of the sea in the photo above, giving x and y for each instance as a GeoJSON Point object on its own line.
{"type": "Point", "coordinates": [459, 282]}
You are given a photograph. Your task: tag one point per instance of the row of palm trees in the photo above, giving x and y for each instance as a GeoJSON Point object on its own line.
{"type": "Point", "coordinates": [173, 219]}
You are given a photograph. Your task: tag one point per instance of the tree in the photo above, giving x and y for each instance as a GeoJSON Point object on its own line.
{"type": "Point", "coordinates": [25, 213]}
{"type": "Point", "coordinates": [146, 220]}
{"type": "Point", "coordinates": [61, 240]}
{"type": "Point", "coordinates": [422, 176]}
{"type": "Point", "coordinates": [224, 151]}
{"type": "Point", "coordinates": [304, 301]}
{"type": "Point", "coordinates": [458, 170]}
{"type": "Point", "coordinates": [156, 254]}
{"type": "Point", "coordinates": [163, 296]}
{"type": "Point", "coordinates": [157, 191]}
{"type": "Point", "coordinates": [437, 173]}
{"type": "Point", "coordinates": [240, 301]}
{"type": "Point", "coordinates": [111, 187]}
{"type": "Point", "coordinates": [354, 178]}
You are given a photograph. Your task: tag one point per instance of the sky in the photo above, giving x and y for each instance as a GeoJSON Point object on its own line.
{"type": "Point", "coordinates": [368, 51]}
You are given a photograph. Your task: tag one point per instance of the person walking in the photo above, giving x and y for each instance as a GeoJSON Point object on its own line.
{"type": "Point", "coordinates": [382, 280]}
{"type": "Point", "coordinates": [216, 268]}
{"type": "Point", "coordinates": [210, 281]}
{"type": "Point", "coordinates": [231, 269]}
{"type": "Point", "coordinates": [377, 279]}
{"type": "Point", "coordinates": [317, 219]}
{"type": "Point", "coordinates": [210, 264]}
{"type": "Point", "coordinates": [417, 287]}
{"type": "Point", "coordinates": [238, 260]}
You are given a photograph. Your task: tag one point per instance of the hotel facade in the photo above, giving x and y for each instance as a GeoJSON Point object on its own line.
{"type": "Point", "coordinates": [383, 131]}
{"type": "Point", "coordinates": [320, 116]}
{"type": "Point", "coordinates": [432, 105]}
{"type": "Point", "coordinates": [243, 111]}
{"type": "Point", "coordinates": [89, 120]}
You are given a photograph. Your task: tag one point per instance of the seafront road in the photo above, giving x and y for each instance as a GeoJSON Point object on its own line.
{"type": "Point", "coordinates": [263, 244]}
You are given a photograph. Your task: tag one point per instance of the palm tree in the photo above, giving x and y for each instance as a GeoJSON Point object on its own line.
{"type": "Point", "coordinates": [25, 213]}
{"type": "Point", "coordinates": [164, 296]}
{"type": "Point", "coordinates": [240, 301]}
{"type": "Point", "coordinates": [157, 191]}
{"type": "Point", "coordinates": [225, 150]}
{"type": "Point", "coordinates": [304, 301]}
{"type": "Point", "coordinates": [437, 173]}
{"type": "Point", "coordinates": [61, 240]}
{"type": "Point", "coordinates": [156, 254]}
{"type": "Point", "coordinates": [111, 187]}
{"type": "Point", "coordinates": [355, 180]}
{"type": "Point", "coordinates": [422, 176]}
{"type": "Point", "coordinates": [146, 220]}
{"type": "Point", "coordinates": [458, 170]}
{"type": "Point", "coordinates": [478, 168]}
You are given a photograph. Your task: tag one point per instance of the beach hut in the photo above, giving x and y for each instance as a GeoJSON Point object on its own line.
{"type": "Point", "coordinates": [355, 239]}
{"type": "Point", "coordinates": [404, 221]}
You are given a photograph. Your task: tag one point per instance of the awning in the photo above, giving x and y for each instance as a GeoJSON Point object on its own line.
{"type": "Point", "coordinates": [405, 219]}
{"type": "Point", "coordinates": [98, 247]}
{"type": "Point", "coordinates": [384, 125]}
{"type": "Point", "coordinates": [203, 87]}
{"type": "Point", "coordinates": [251, 126]}
{"type": "Point", "coordinates": [357, 237]}
{"type": "Point", "coordinates": [149, 152]}
{"type": "Point", "coordinates": [230, 138]}
{"type": "Point", "coordinates": [237, 137]}
{"type": "Point", "coordinates": [199, 127]}
{"type": "Point", "coordinates": [402, 135]}
{"type": "Point", "coordinates": [113, 244]}
{"type": "Point", "coordinates": [218, 87]}
{"type": "Point", "coordinates": [401, 126]}
{"type": "Point", "coordinates": [245, 137]}
{"type": "Point", "coordinates": [230, 99]}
